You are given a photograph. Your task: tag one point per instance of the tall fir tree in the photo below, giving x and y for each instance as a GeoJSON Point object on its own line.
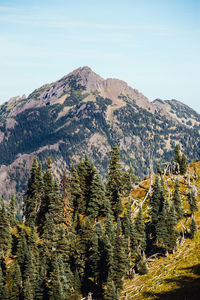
{"type": "Point", "coordinates": [114, 182]}
{"type": "Point", "coordinates": [183, 164]}
{"type": "Point", "coordinates": [111, 292]}
{"type": "Point", "coordinates": [176, 200]}
{"type": "Point", "coordinates": [171, 222]}
{"type": "Point", "coordinates": [48, 187]}
{"type": "Point", "coordinates": [12, 211]}
{"type": "Point", "coordinates": [55, 288]}
{"type": "Point", "coordinates": [166, 230]}
{"type": "Point", "coordinates": [158, 169]}
{"type": "Point", "coordinates": [119, 258]}
{"type": "Point", "coordinates": [32, 199]}
{"type": "Point", "coordinates": [16, 292]}
{"type": "Point", "coordinates": [177, 155]}
{"type": "Point", "coordinates": [66, 198]}
{"type": "Point", "coordinates": [96, 199]}
{"type": "Point", "coordinates": [139, 243]}
{"type": "Point", "coordinates": [139, 232]}
{"type": "Point", "coordinates": [192, 202]}
{"type": "Point", "coordinates": [109, 227]}
{"type": "Point", "coordinates": [4, 294]}
{"type": "Point", "coordinates": [161, 226]}
{"type": "Point", "coordinates": [5, 230]}
{"type": "Point", "coordinates": [156, 201]}
{"type": "Point", "coordinates": [193, 228]}
{"type": "Point", "coordinates": [26, 262]}
{"type": "Point", "coordinates": [75, 192]}
{"type": "Point", "coordinates": [85, 171]}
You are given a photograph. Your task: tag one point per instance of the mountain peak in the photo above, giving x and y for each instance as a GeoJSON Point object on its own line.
{"type": "Point", "coordinates": [88, 78]}
{"type": "Point", "coordinates": [110, 88]}
{"type": "Point", "coordinates": [57, 91]}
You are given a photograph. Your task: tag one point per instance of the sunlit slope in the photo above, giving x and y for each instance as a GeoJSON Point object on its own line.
{"type": "Point", "coordinates": [178, 275]}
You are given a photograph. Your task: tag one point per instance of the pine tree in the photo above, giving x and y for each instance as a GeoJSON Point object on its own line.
{"type": "Point", "coordinates": [193, 228]}
{"type": "Point", "coordinates": [139, 232]}
{"type": "Point", "coordinates": [33, 194]}
{"type": "Point", "coordinates": [128, 178]}
{"type": "Point", "coordinates": [171, 223]}
{"type": "Point", "coordinates": [183, 164]}
{"type": "Point", "coordinates": [85, 171]}
{"type": "Point", "coordinates": [195, 176]}
{"type": "Point", "coordinates": [96, 196]}
{"type": "Point", "coordinates": [138, 243]}
{"type": "Point", "coordinates": [50, 232]}
{"type": "Point", "coordinates": [41, 288]}
{"type": "Point", "coordinates": [142, 266]}
{"type": "Point", "coordinates": [76, 193]}
{"type": "Point", "coordinates": [55, 290]}
{"type": "Point", "coordinates": [12, 211]}
{"type": "Point", "coordinates": [28, 292]}
{"type": "Point", "coordinates": [177, 155]}
{"type": "Point", "coordinates": [4, 295]}
{"type": "Point", "coordinates": [48, 188]}
{"type": "Point", "coordinates": [55, 208]}
{"type": "Point", "coordinates": [158, 169]}
{"type": "Point", "coordinates": [27, 263]}
{"type": "Point", "coordinates": [166, 230]}
{"type": "Point", "coordinates": [16, 292]}
{"type": "Point", "coordinates": [156, 201]}
{"type": "Point", "coordinates": [67, 205]}
{"type": "Point", "coordinates": [22, 252]}
{"type": "Point", "coordinates": [111, 292]}
{"type": "Point", "coordinates": [109, 228]}
{"type": "Point", "coordinates": [114, 182]}
{"type": "Point", "coordinates": [161, 226]}
{"type": "Point", "coordinates": [91, 271]}
{"type": "Point", "coordinates": [106, 260]}
{"type": "Point", "coordinates": [66, 279]}
{"type": "Point", "coordinates": [129, 233]}
{"type": "Point", "coordinates": [99, 262]}
{"type": "Point", "coordinates": [176, 200]}
{"type": "Point", "coordinates": [126, 183]}
{"type": "Point", "coordinates": [5, 234]}
{"type": "Point", "coordinates": [192, 202]}
{"type": "Point", "coordinates": [177, 160]}
{"type": "Point", "coordinates": [119, 258]}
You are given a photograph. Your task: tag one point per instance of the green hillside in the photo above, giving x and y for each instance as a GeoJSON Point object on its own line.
{"type": "Point", "coordinates": [176, 276]}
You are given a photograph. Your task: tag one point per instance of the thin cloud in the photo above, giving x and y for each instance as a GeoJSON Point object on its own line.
{"type": "Point", "coordinates": [7, 8]}
{"type": "Point", "coordinates": [32, 18]}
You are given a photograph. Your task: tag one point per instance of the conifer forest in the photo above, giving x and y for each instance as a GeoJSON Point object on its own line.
{"type": "Point", "coordinates": [85, 236]}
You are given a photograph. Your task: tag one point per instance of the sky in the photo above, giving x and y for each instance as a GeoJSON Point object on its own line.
{"type": "Point", "coordinates": [153, 45]}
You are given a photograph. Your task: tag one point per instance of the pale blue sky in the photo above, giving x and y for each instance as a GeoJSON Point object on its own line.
{"type": "Point", "coordinates": [154, 45]}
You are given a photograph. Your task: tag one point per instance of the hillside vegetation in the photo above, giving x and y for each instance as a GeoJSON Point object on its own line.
{"type": "Point", "coordinates": [176, 276]}
{"type": "Point", "coordinates": [83, 238]}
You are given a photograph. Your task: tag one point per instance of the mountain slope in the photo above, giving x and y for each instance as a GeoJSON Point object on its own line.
{"type": "Point", "coordinates": [178, 111]}
{"type": "Point", "coordinates": [176, 276]}
{"type": "Point", "coordinates": [83, 113]}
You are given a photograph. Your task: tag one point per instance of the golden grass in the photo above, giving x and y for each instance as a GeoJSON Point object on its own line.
{"type": "Point", "coordinates": [176, 276]}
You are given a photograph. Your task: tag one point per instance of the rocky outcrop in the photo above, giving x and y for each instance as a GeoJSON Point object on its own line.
{"type": "Point", "coordinates": [83, 113]}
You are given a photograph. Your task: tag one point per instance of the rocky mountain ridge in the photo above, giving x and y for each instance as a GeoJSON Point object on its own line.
{"type": "Point", "coordinates": [84, 113]}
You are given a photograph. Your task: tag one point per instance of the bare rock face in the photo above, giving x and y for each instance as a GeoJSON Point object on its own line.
{"type": "Point", "coordinates": [50, 93]}
{"type": "Point", "coordinates": [88, 78]}
{"type": "Point", "coordinates": [110, 88]}
{"type": "Point", "coordinates": [113, 88]}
